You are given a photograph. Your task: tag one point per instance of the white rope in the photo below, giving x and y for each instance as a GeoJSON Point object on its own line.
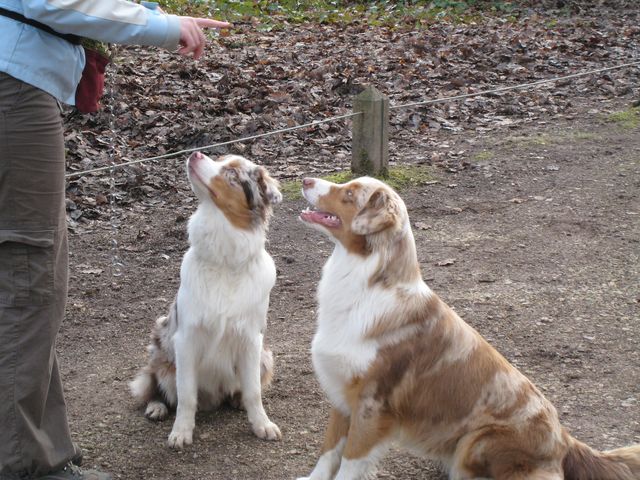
{"type": "Point", "coordinates": [513, 87]}
{"type": "Point", "coordinates": [348, 115]}
{"type": "Point", "coordinates": [207, 147]}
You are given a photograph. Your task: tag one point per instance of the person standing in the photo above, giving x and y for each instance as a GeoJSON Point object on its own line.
{"type": "Point", "coordinates": [41, 63]}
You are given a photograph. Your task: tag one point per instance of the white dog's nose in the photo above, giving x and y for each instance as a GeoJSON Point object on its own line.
{"type": "Point", "coordinates": [196, 156]}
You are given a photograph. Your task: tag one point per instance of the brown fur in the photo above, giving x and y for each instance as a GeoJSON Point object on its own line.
{"type": "Point", "coordinates": [583, 463]}
{"type": "Point", "coordinates": [243, 196]}
{"type": "Point", "coordinates": [337, 429]}
{"type": "Point", "coordinates": [413, 311]}
{"type": "Point", "coordinates": [381, 215]}
{"type": "Point", "coordinates": [403, 269]}
{"type": "Point", "coordinates": [232, 202]}
{"type": "Point", "coordinates": [342, 202]}
{"type": "Point", "coordinates": [437, 384]}
{"type": "Point", "coordinates": [381, 212]}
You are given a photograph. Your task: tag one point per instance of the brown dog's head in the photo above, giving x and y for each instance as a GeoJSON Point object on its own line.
{"type": "Point", "coordinates": [359, 214]}
{"type": "Point", "coordinates": [242, 191]}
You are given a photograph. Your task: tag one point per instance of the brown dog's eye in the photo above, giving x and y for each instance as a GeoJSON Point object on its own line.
{"type": "Point", "coordinates": [348, 196]}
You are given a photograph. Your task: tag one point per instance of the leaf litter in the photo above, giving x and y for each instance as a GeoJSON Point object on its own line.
{"type": "Point", "coordinates": [252, 82]}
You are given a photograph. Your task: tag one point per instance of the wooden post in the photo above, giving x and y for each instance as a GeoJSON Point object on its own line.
{"type": "Point", "coordinates": [370, 138]}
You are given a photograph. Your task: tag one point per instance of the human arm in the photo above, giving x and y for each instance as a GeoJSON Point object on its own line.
{"type": "Point", "coordinates": [121, 21]}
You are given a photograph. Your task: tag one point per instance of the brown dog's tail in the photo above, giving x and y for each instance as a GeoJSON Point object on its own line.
{"type": "Point", "coordinates": [266, 367]}
{"type": "Point", "coordinates": [583, 463]}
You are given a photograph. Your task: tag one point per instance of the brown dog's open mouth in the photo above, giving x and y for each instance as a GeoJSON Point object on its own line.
{"type": "Point", "coordinates": [326, 219]}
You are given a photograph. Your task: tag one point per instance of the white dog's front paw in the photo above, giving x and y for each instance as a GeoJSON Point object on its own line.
{"type": "Point", "coordinates": [179, 437]}
{"type": "Point", "coordinates": [303, 478]}
{"type": "Point", "coordinates": [267, 431]}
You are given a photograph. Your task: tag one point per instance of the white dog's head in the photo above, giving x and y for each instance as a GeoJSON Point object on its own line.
{"type": "Point", "coordinates": [243, 191]}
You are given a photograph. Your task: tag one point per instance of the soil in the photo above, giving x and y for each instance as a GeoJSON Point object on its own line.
{"type": "Point", "coordinates": [535, 242]}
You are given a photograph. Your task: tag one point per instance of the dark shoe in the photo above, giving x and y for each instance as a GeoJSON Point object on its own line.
{"type": "Point", "coordinates": [77, 456]}
{"type": "Point", "coordinates": [73, 472]}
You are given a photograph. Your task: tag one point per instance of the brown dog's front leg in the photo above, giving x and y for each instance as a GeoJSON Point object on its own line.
{"type": "Point", "coordinates": [367, 441]}
{"type": "Point", "coordinates": [335, 439]}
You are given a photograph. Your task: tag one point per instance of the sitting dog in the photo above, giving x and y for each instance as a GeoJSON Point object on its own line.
{"type": "Point", "coordinates": [209, 348]}
{"type": "Point", "coordinates": [399, 365]}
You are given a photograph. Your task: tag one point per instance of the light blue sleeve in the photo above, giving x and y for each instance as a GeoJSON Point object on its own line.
{"type": "Point", "coordinates": [112, 21]}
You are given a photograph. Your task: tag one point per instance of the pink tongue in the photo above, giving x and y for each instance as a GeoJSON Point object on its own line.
{"type": "Point", "coordinates": [322, 218]}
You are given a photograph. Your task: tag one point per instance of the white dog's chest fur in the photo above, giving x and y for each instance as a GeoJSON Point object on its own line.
{"type": "Point", "coordinates": [215, 294]}
{"type": "Point", "coordinates": [222, 306]}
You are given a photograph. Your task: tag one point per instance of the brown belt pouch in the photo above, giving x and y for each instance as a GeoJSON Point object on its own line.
{"type": "Point", "coordinates": [91, 86]}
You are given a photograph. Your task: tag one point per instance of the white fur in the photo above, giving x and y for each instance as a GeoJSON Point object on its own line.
{"type": "Point", "coordinates": [364, 468]}
{"type": "Point", "coordinates": [328, 463]}
{"type": "Point", "coordinates": [226, 277]}
{"type": "Point", "coordinates": [347, 308]}
{"type": "Point", "coordinates": [371, 279]}
{"type": "Point", "coordinates": [320, 188]}
{"type": "Point", "coordinates": [214, 336]}
{"type": "Point", "coordinates": [339, 349]}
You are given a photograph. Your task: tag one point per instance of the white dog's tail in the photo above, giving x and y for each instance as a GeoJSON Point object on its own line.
{"type": "Point", "coordinates": [144, 387]}
{"type": "Point", "coordinates": [266, 367]}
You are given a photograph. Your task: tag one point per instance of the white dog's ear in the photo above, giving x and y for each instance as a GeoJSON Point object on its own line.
{"type": "Point", "coordinates": [269, 187]}
{"type": "Point", "coordinates": [380, 212]}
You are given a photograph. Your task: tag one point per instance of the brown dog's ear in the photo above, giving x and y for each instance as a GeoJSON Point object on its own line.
{"type": "Point", "coordinates": [380, 212]}
{"type": "Point", "coordinates": [269, 187]}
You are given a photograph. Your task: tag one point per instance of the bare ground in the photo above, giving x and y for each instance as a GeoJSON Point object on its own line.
{"type": "Point", "coordinates": [535, 243]}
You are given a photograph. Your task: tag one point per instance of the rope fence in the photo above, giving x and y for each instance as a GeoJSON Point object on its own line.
{"type": "Point", "coordinates": [362, 113]}
{"type": "Point", "coordinates": [515, 87]}
{"type": "Point", "coordinates": [207, 147]}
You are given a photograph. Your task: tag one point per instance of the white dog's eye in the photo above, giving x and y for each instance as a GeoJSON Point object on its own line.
{"type": "Point", "coordinates": [232, 175]}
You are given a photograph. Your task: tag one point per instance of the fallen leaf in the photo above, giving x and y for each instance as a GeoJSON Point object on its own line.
{"type": "Point", "coordinates": [447, 262]}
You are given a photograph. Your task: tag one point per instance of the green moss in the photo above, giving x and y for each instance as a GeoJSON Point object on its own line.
{"type": "Point", "coordinates": [583, 136]}
{"type": "Point", "coordinates": [399, 178]}
{"type": "Point", "coordinates": [402, 177]}
{"type": "Point", "coordinates": [291, 189]}
{"type": "Point", "coordinates": [628, 119]}
{"type": "Point", "coordinates": [483, 156]}
{"type": "Point", "coordinates": [542, 139]}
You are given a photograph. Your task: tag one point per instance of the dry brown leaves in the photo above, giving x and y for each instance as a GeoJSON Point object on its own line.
{"type": "Point", "coordinates": [254, 82]}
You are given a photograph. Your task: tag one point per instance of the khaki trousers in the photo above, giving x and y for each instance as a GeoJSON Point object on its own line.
{"type": "Point", "coordinates": [34, 434]}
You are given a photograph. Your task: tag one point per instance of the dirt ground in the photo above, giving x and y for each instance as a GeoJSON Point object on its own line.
{"type": "Point", "coordinates": [535, 243]}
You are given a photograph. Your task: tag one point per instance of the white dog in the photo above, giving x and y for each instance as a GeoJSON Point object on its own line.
{"type": "Point", "coordinates": [209, 348]}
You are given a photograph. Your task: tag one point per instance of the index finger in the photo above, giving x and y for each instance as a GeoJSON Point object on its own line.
{"type": "Point", "coordinates": [210, 23]}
